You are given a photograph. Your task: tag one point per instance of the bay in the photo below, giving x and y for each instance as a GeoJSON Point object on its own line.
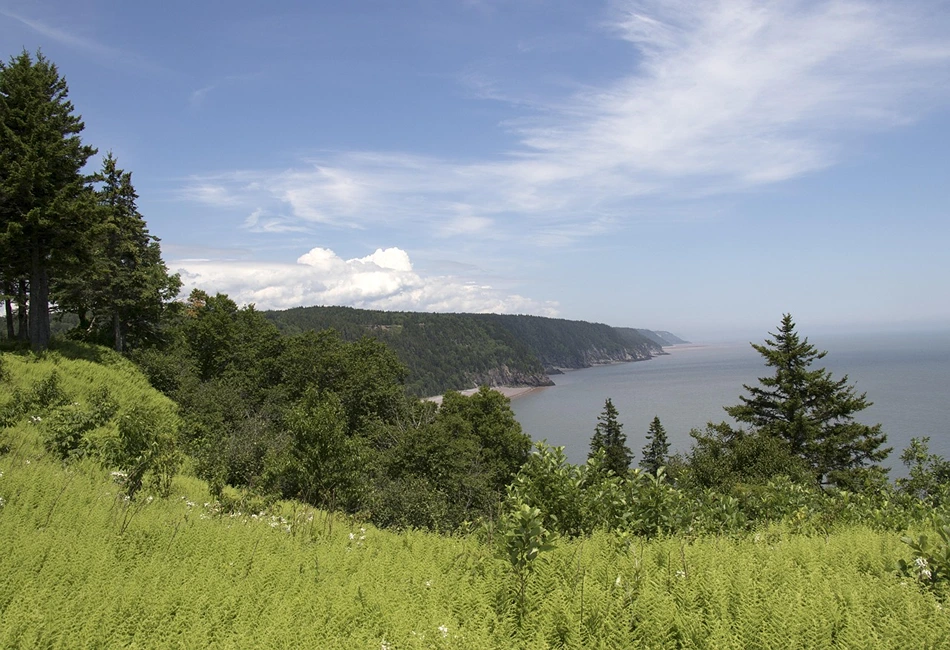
{"type": "Point", "coordinates": [906, 376]}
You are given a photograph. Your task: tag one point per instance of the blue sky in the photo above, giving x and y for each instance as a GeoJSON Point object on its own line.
{"type": "Point", "coordinates": [700, 167]}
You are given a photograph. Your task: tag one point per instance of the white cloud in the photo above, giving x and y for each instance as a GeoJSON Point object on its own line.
{"type": "Point", "coordinates": [384, 279]}
{"type": "Point", "coordinates": [719, 96]}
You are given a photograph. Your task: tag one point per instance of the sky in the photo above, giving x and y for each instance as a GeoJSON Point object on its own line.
{"type": "Point", "coordinates": [695, 166]}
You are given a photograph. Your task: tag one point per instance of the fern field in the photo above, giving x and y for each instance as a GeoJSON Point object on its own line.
{"type": "Point", "coordinates": [82, 565]}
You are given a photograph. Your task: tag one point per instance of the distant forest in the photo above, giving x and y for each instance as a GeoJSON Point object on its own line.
{"type": "Point", "coordinates": [459, 351]}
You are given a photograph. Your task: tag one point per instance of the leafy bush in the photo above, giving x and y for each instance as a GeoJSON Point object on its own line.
{"type": "Point", "coordinates": [931, 563]}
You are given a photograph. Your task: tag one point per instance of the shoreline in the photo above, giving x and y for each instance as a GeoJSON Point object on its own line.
{"type": "Point", "coordinates": [511, 392]}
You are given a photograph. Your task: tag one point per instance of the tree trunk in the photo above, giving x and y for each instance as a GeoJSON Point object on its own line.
{"type": "Point", "coordinates": [39, 301]}
{"type": "Point", "coordinates": [117, 332]}
{"type": "Point", "coordinates": [8, 306]}
{"type": "Point", "coordinates": [22, 314]}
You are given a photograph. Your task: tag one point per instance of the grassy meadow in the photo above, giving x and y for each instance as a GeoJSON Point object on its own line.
{"type": "Point", "coordinates": [84, 566]}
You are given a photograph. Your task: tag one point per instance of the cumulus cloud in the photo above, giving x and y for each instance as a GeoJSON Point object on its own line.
{"type": "Point", "coordinates": [718, 96]}
{"type": "Point", "coordinates": [384, 279]}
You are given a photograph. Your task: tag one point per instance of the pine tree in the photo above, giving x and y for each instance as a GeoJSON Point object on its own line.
{"type": "Point", "coordinates": [811, 412]}
{"type": "Point", "coordinates": [609, 436]}
{"type": "Point", "coordinates": [657, 449]}
{"type": "Point", "coordinates": [45, 199]}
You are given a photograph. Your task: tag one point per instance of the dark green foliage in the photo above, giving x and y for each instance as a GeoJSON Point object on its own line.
{"type": "Point", "coordinates": [610, 438]}
{"type": "Point", "coordinates": [458, 351]}
{"type": "Point", "coordinates": [320, 463]}
{"type": "Point", "coordinates": [447, 466]}
{"type": "Point", "coordinates": [123, 291]}
{"type": "Point", "coordinates": [657, 449]}
{"type": "Point", "coordinates": [723, 457]}
{"type": "Point", "coordinates": [812, 413]}
{"type": "Point", "coordinates": [928, 474]}
{"type": "Point", "coordinates": [46, 204]}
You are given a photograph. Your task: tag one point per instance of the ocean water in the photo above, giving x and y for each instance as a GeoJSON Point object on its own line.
{"type": "Point", "coordinates": [906, 376]}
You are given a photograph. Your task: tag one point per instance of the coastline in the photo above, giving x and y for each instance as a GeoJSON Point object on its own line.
{"type": "Point", "coordinates": [511, 392]}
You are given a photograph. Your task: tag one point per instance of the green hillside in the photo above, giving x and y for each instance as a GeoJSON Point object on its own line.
{"type": "Point", "coordinates": [459, 351]}
{"type": "Point", "coordinates": [84, 565]}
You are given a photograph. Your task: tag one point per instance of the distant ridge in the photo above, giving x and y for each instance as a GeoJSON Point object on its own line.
{"type": "Point", "coordinates": [460, 351]}
{"type": "Point", "coordinates": [662, 337]}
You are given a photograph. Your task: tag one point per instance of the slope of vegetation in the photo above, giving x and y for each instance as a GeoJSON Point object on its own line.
{"type": "Point", "coordinates": [85, 567]}
{"type": "Point", "coordinates": [458, 351]}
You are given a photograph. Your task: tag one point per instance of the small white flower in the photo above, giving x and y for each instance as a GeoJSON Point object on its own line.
{"type": "Point", "coordinates": [352, 536]}
{"type": "Point", "coordinates": [428, 583]}
{"type": "Point", "coordinates": [2, 502]}
{"type": "Point", "coordinates": [150, 499]}
{"type": "Point", "coordinates": [617, 582]}
{"type": "Point", "coordinates": [384, 645]}
{"type": "Point", "coordinates": [680, 574]}
{"type": "Point", "coordinates": [444, 630]}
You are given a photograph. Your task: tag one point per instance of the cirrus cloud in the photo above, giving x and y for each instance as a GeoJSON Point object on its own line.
{"type": "Point", "coordinates": [716, 97]}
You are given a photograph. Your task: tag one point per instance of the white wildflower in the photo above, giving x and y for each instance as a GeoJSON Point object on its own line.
{"type": "Point", "coordinates": [617, 582]}
{"type": "Point", "coordinates": [680, 574]}
{"type": "Point", "coordinates": [444, 630]}
{"type": "Point", "coordinates": [428, 583]}
{"type": "Point", "coordinates": [2, 502]}
{"type": "Point", "coordinates": [352, 536]}
{"type": "Point", "coordinates": [384, 645]}
{"type": "Point", "coordinates": [150, 499]}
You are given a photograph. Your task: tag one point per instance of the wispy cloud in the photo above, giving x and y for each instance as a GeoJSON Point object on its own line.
{"type": "Point", "coordinates": [200, 95]}
{"type": "Point", "coordinates": [106, 54]}
{"type": "Point", "coordinates": [718, 97]}
{"type": "Point", "coordinates": [384, 279]}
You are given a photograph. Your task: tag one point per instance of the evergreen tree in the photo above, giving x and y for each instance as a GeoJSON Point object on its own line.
{"type": "Point", "coordinates": [45, 200]}
{"type": "Point", "coordinates": [126, 285]}
{"type": "Point", "coordinates": [811, 412]}
{"type": "Point", "coordinates": [657, 449]}
{"type": "Point", "coordinates": [609, 436]}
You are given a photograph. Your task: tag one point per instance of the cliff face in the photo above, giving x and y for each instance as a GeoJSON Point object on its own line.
{"type": "Point", "coordinates": [505, 376]}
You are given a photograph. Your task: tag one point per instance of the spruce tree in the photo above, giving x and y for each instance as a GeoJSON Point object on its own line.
{"type": "Point", "coordinates": [45, 199]}
{"type": "Point", "coordinates": [126, 285]}
{"type": "Point", "coordinates": [811, 412]}
{"type": "Point", "coordinates": [609, 436]}
{"type": "Point", "coordinates": [657, 449]}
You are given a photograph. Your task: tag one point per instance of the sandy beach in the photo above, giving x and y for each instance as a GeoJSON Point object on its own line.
{"type": "Point", "coordinates": [511, 392]}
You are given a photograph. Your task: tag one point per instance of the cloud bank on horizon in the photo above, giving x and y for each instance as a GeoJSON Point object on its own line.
{"type": "Point", "coordinates": [383, 280]}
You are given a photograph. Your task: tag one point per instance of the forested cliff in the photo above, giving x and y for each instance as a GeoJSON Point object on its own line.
{"type": "Point", "coordinates": [458, 351]}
